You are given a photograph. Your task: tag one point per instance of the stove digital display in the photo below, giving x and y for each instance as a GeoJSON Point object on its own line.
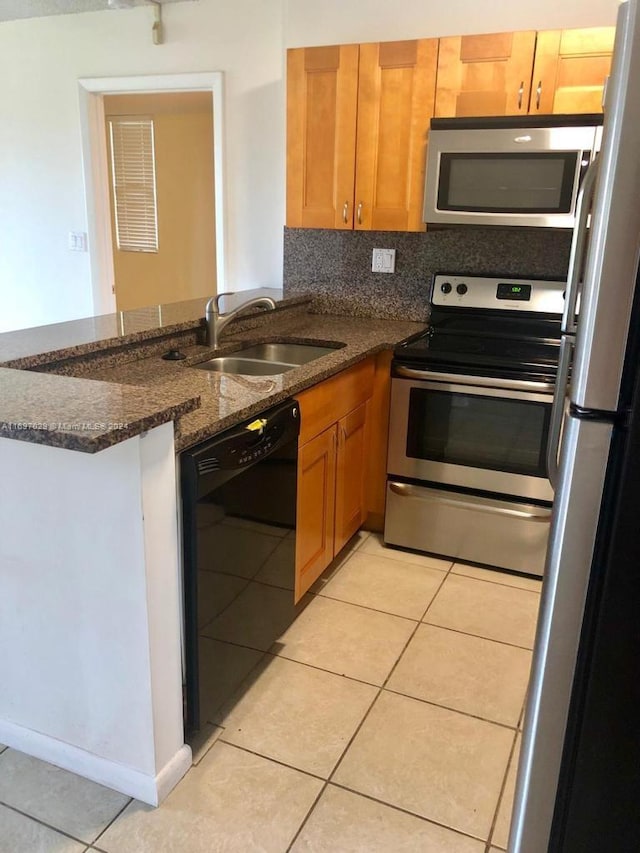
{"type": "Point", "coordinates": [521, 292]}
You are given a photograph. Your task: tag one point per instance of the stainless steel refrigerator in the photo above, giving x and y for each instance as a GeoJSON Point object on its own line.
{"type": "Point", "coordinates": [578, 785]}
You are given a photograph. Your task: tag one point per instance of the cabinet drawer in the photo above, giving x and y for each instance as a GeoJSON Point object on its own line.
{"type": "Point", "coordinates": [327, 402]}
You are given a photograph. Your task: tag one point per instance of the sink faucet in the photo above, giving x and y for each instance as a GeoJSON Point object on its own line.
{"type": "Point", "coordinates": [216, 321]}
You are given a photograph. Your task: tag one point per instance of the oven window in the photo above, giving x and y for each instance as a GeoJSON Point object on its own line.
{"type": "Point", "coordinates": [496, 433]}
{"type": "Point", "coordinates": [507, 183]}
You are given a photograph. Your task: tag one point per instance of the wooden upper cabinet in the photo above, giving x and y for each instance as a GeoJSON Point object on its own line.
{"type": "Point", "coordinates": [358, 115]}
{"type": "Point", "coordinates": [396, 92]}
{"type": "Point", "coordinates": [570, 70]}
{"type": "Point", "coordinates": [387, 90]}
{"type": "Point", "coordinates": [485, 75]}
{"type": "Point", "coordinates": [322, 91]}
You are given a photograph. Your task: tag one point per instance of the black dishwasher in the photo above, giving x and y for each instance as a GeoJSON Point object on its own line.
{"type": "Point", "coordinates": [238, 530]}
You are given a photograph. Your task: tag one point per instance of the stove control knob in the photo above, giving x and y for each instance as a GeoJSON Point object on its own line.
{"type": "Point", "coordinates": [446, 287]}
{"type": "Point", "coordinates": [462, 289]}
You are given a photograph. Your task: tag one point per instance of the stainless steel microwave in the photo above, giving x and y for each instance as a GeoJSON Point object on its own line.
{"type": "Point", "coordinates": [520, 170]}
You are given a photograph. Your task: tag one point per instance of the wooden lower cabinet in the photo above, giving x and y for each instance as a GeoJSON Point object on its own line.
{"type": "Point", "coordinates": [315, 509]}
{"type": "Point", "coordinates": [331, 495]}
{"type": "Point", "coordinates": [351, 466]}
{"type": "Point", "coordinates": [333, 468]}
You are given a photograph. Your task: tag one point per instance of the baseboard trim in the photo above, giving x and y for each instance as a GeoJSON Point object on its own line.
{"type": "Point", "coordinates": [118, 777]}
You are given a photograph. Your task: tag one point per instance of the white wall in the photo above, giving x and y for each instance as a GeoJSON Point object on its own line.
{"type": "Point", "coordinates": [308, 22]}
{"type": "Point", "coordinates": [90, 611]}
{"type": "Point", "coordinates": [41, 184]}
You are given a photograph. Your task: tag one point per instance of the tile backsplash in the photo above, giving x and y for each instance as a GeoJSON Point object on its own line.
{"type": "Point", "coordinates": [335, 266]}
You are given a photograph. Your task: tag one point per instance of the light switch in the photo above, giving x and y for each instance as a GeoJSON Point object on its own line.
{"type": "Point", "coordinates": [384, 260]}
{"type": "Point", "coordinates": [77, 241]}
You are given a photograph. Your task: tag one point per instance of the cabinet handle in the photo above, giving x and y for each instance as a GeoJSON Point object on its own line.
{"type": "Point", "coordinates": [538, 94]}
{"type": "Point", "coordinates": [345, 212]}
{"type": "Point", "coordinates": [360, 214]}
{"type": "Point", "coordinates": [520, 94]}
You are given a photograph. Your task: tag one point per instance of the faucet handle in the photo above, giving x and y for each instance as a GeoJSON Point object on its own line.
{"type": "Point", "coordinates": [219, 297]}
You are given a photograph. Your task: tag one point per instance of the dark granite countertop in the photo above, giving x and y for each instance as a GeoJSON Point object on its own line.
{"type": "Point", "coordinates": [88, 409]}
{"type": "Point", "coordinates": [29, 348]}
{"type": "Point", "coordinates": [78, 414]}
{"type": "Point", "coordinates": [226, 399]}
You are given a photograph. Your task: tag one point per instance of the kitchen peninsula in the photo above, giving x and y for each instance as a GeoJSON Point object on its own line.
{"type": "Point", "coordinates": [91, 418]}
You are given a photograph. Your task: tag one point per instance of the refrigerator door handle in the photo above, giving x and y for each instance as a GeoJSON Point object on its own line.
{"type": "Point", "coordinates": [557, 409]}
{"type": "Point", "coordinates": [578, 247]}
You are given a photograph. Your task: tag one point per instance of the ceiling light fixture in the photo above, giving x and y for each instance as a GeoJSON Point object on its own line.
{"type": "Point", "coordinates": [157, 32]}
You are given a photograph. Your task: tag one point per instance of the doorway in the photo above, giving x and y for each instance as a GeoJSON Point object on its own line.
{"type": "Point", "coordinates": [193, 273]}
{"type": "Point", "coordinates": [161, 189]}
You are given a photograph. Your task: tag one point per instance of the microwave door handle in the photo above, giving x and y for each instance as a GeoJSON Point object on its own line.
{"type": "Point", "coordinates": [557, 409]}
{"type": "Point", "coordinates": [578, 247]}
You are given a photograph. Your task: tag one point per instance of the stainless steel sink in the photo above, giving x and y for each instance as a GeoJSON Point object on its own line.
{"type": "Point", "coordinates": [294, 354]}
{"type": "Point", "coordinates": [247, 366]}
{"type": "Point", "coordinates": [265, 359]}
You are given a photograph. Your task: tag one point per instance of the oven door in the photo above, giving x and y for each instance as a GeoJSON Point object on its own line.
{"type": "Point", "coordinates": [477, 433]}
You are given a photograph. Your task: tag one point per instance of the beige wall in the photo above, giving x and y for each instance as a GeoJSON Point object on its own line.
{"type": "Point", "coordinates": [184, 266]}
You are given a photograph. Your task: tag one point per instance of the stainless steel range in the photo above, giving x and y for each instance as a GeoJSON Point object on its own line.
{"type": "Point", "coordinates": [470, 414]}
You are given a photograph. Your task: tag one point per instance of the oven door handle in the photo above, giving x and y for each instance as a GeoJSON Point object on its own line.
{"type": "Point", "coordinates": [477, 381]}
{"type": "Point", "coordinates": [433, 496]}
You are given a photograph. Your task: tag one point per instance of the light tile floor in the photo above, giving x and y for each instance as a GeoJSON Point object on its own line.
{"type": "Point", "coordinates": [384, 719]}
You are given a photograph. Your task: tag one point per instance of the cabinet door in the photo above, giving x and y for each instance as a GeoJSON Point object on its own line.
{"type": "Point", "coordinates": [351, 469]}
{"type": "Point", "coordinates": [322, 90]}
{"type": "Point", "coordinates": [315, 509]}
{"type": "Point", "coordinates": [485, 75]}
{"type": "Point", "coordinates": [570, 70]}
{"type": "Point", "coordinates": [396, 92]}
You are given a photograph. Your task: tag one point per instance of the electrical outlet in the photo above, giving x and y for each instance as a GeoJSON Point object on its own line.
{"type": "Point", "coordinates": [383, 260]}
